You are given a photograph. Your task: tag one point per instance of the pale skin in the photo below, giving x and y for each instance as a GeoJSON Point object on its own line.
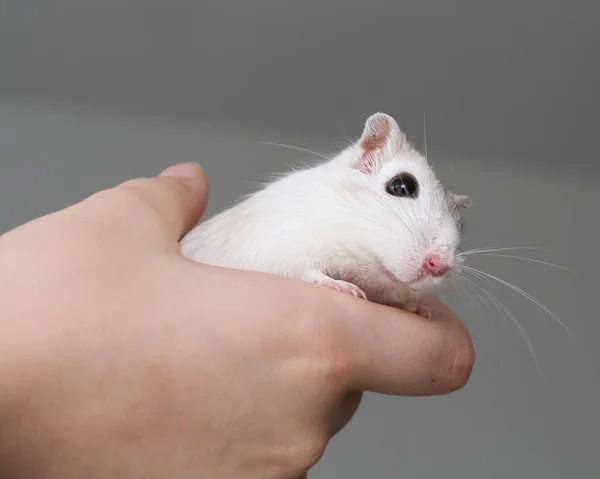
{"type": "Point", "coordinates": [120, 358]}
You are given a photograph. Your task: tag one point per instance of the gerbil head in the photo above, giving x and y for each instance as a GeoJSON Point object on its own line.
{"type": "Point", "coordinates": [412, 226]}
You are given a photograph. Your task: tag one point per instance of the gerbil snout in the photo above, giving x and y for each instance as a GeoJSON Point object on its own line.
{"type": "Point", "coordinates": [435, 265]}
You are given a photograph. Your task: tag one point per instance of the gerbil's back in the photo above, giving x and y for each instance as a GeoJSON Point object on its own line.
{"type": "Point", "coordinates": [269, 231]}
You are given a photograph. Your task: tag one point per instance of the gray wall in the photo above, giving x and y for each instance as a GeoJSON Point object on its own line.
{"type": "Point", "coordinates": [92, 94]}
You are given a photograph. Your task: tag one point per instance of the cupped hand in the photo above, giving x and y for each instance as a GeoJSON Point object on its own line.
{"type": "Point", "coordinates": [120, 358]}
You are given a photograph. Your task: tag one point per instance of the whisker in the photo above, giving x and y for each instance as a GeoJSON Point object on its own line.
{"type": "Point", "coordinates": [487, 293]}
{"type": "Point", "coordinates": [494, 249]}
{"type": "Point", "coordinates": [528, 259]}
{"type": "Point", "coordinates": [426, 156]}
{"type": "Point", "coordinates": [295, 148]}
{"type": "Point", "coordinates": [524, 294]}
{"type": "Point", "coordinates": [425, 135]}
{"type": "Point", "coordinates": [473, 291]}
{"type": "Point", "coordinates": [350, 142]}
{"type": "Point", "coordinates": [481, 304]}
{"type": "Point", "coordinates": [450, 286]}
{"type": "Point", "coordinates": [372, 219]}
{"type": "Point", "coordinates": [396, 213]}
{"type": "Point", "coordinates": [351, 201]}
{"type": "Point", "coordinates": [515, 322]}
{"type": "Point", "coordinates": [477, 298]}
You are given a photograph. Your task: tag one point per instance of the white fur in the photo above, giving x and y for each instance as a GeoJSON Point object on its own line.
{"type": "Point", "coordinates": [334, 221]}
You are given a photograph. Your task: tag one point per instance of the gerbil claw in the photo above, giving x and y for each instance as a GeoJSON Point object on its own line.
{"type": "Point", "coordinates": [419, 309]}
{"type": "Point", "coordinates": [341, 286]}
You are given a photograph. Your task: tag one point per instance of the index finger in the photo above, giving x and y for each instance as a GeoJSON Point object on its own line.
{"type": "Point", "coordinates": [396, 352]}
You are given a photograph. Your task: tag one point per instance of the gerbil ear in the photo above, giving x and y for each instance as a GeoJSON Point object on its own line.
{"type": "Point", "coordinates": [462, 202]}
{"type": "Point", "coordinates": [381, 140]}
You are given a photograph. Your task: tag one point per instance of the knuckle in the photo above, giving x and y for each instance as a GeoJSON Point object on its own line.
{"type": "Point", "coordinates": [122, 210]}
{"type": "Point", "coordinates": [332, 367]}
{"type": "Point", "coordinates": [306, 452]}
{"type": "Point", "coordinates": [159, 196]}
{"type": "Point", "coordinates": [330, 350]}
{"type": "Point", "coordinates": [138, 198]}
{"type": "Point", "coordinates": [134, 191]}
{"type": "Point", "coordinates": [144, 190]}
{"type": "Point", "coordinates": [120, 199]}
{"type": "Point", "coordinates": [313, 451]}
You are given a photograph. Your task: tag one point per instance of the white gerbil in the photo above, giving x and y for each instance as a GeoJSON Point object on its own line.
{"type": "Point", "coordinates": [373, 221]}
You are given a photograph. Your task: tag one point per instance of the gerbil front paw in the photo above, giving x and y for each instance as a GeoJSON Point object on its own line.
{"type": "Point", "coordinates": [345, 287]}
{"type": "Point", "coordinates": [341, 286]}
{"type": "Point", "coordinates": [419, 309]}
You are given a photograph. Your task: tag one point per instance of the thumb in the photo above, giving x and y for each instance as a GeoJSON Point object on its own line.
{"type": "Point", "coordinates": [178, 197]}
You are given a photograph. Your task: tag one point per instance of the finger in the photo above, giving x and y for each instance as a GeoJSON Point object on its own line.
{"type": "Point", "coordinates": [345, 411]}
{"type": "Point", "coordinates": [172, 203]}
{"type": "Point", "coordinates": [396, 352]}
{"type": "Point", "coordinates": [192, 208]}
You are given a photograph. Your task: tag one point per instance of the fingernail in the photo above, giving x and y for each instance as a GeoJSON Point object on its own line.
{"type": "Point", "coordinates": [183, 170]}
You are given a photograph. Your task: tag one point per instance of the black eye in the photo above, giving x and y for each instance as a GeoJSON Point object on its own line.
{"type": "Point", "coordinates": [403, 185]}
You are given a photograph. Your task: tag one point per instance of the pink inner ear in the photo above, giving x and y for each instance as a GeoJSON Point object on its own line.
{"type": "Point", "coordinates": [365, 163]}
{"type": "Point", "coordinates": [381, 139]}
{"type": "Point", "coordinates": [377, 135]}
{"type": "Point", "coordinates": [375, 139]}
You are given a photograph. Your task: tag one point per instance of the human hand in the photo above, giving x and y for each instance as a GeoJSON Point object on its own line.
{"type": "Point", "coordinates": [120, 358]}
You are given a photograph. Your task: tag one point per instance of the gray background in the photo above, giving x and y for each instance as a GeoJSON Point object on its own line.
{"type": "Point", "coordinates": [93, 93]}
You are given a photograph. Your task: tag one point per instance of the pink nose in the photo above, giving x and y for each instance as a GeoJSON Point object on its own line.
{"type": "Point", "coordinates": [435, 265]}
